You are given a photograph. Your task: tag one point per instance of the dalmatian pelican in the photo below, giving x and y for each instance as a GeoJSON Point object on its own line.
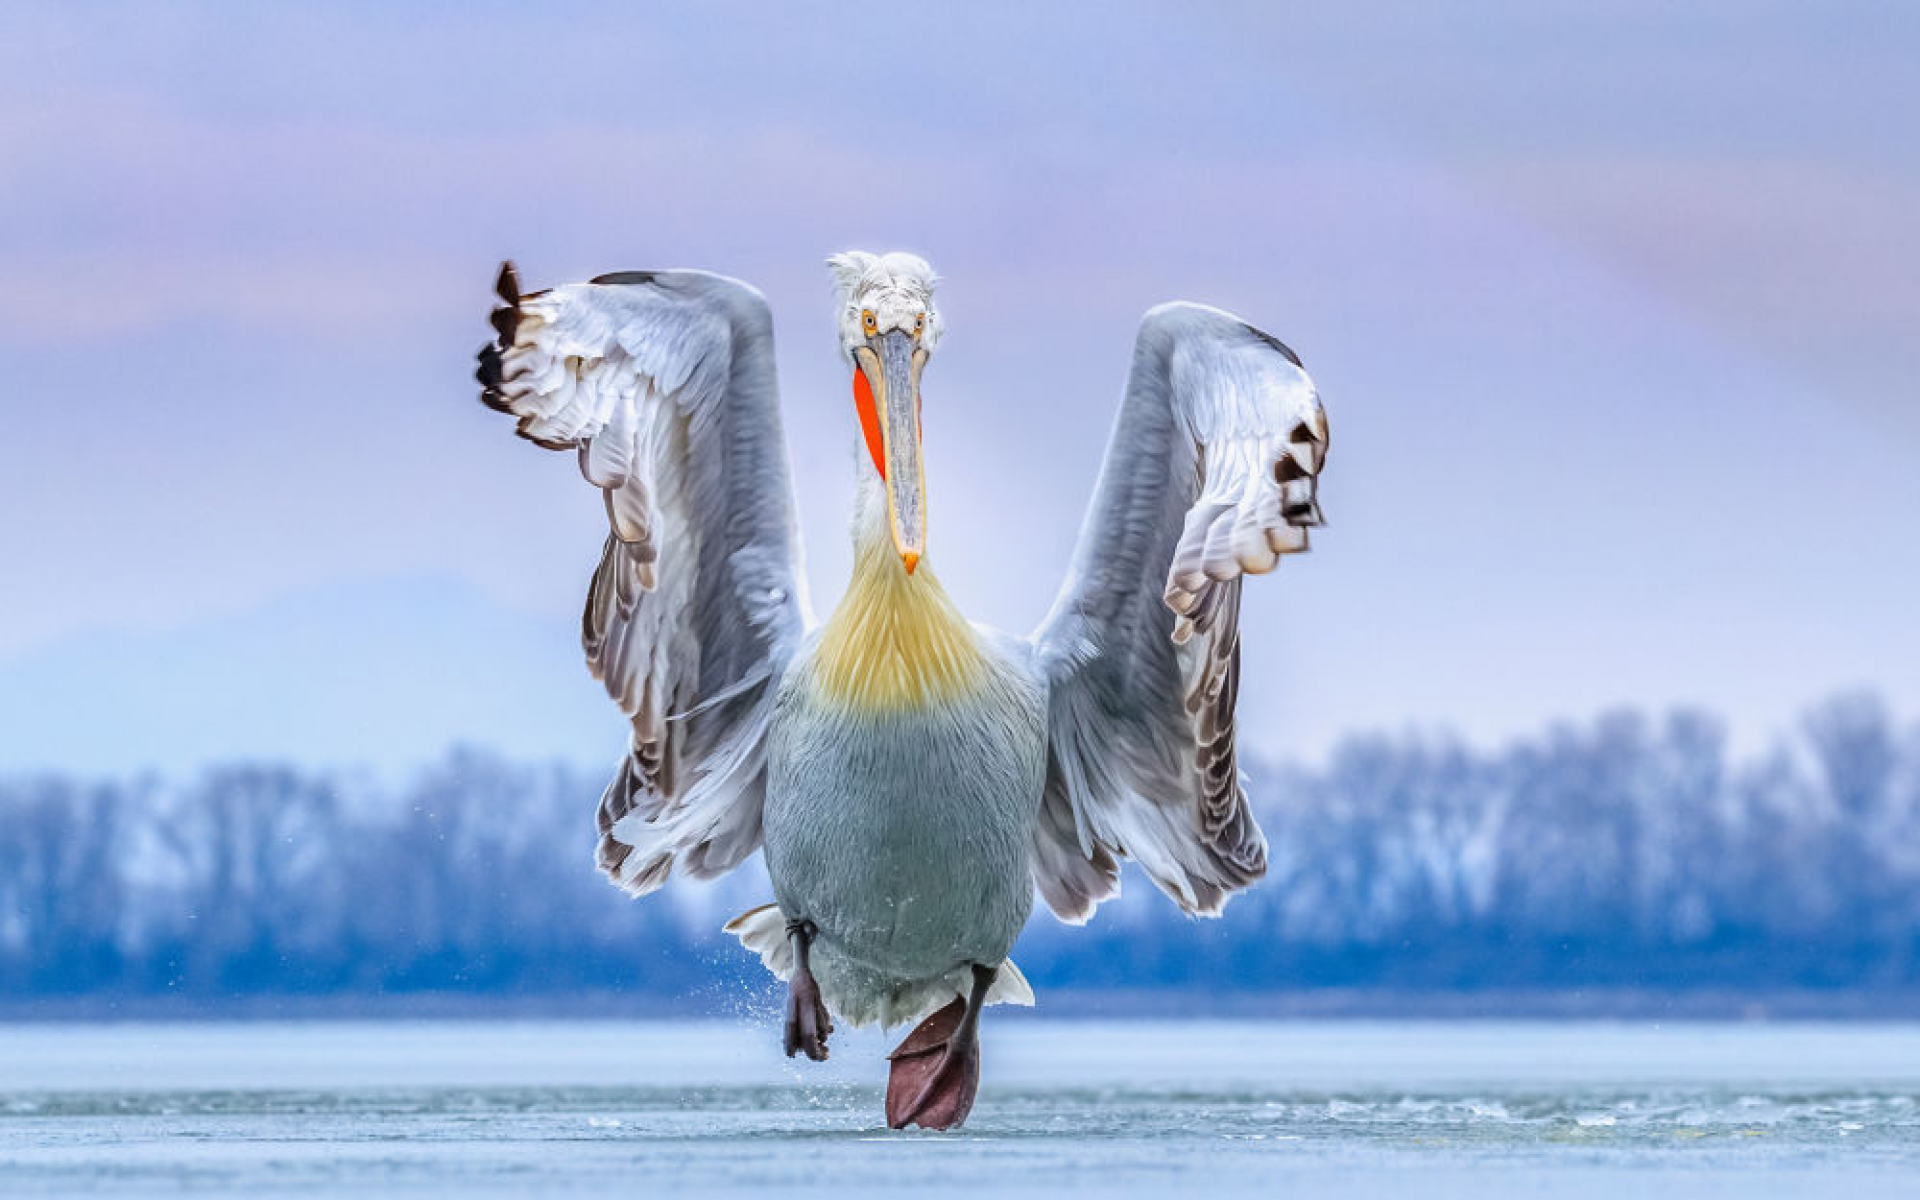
{"type": "Point", "coordinates": [911, 778]}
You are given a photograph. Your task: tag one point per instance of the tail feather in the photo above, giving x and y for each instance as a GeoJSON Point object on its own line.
{"type": "Point", "coordinates": [1010, 987]}
{"type": "Point", "coordinates": [763, 930]}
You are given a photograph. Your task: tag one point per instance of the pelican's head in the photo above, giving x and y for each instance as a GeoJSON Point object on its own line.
{"type": "Point", "coordinates": [888, 328]}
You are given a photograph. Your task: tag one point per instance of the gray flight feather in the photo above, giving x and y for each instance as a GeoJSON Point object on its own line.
{"type": "Point", "coordinates": [663, 383]}
{"type": "Point", "coordinates": [1212, 473]}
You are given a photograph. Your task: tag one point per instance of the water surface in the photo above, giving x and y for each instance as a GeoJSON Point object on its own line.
{"type": "Point", "coordinates": [1156, 1108]}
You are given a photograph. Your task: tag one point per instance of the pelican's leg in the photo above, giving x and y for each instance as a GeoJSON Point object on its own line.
{"type": "Point", "coordinates": [937, 1069]}
{"type": "Point", "coordinates": [807, 1022]}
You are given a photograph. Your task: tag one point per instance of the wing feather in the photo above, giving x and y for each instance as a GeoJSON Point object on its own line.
{"type": "Point", "coordinates": [662, 382]}
{"type": "Point", "coordinates": [1212, 474]}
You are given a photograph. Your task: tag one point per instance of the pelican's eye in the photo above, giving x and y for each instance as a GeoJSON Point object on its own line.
{"type": "Point", "coordinates": [919, 324]}
{"type": "Point", "coordinates": [868, 322]}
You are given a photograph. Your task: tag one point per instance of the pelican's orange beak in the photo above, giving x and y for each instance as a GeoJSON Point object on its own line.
{"type": "Point", "coordinates": [889, 403]}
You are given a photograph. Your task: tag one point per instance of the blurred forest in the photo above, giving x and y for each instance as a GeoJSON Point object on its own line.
{"type": "Point", "coordinates": [1626, 853]}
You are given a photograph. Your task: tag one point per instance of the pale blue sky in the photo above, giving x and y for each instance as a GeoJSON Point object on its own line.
{"type": "Point", "coordinates": [1614, 308]}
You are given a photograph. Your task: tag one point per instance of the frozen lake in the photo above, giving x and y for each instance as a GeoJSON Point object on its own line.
{"type": "Point", "coordinates": [1150, 1108]}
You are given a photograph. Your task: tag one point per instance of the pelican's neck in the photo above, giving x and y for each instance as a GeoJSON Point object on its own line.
{"type": "Point", "coordinates": [895, 640]}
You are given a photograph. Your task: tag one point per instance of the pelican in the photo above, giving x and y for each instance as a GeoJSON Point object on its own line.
{"type": "Point", "coordinates": [911, 778]}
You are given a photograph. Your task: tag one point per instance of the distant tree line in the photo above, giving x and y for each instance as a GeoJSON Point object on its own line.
{"type": "Point", "coordinates": [1623, 853]}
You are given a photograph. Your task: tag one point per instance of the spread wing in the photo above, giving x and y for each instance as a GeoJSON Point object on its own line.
{"type": "Point", "coordinates": [1212, 473]}
{"type": "Point", "coordinates": [663, 384]}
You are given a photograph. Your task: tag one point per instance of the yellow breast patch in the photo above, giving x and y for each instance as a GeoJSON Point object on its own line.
{"type": "Point", "coordinates": [895, 640]}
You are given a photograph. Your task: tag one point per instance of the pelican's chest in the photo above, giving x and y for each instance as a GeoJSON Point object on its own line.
{"type": "Point", "coordinates": [903, 830]}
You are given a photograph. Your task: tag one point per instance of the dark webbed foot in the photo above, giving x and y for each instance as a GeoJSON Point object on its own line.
{"type": "Point", "coordinates": [936, 1070]}
{"type": "Point", "coordinates": [807, 1021]}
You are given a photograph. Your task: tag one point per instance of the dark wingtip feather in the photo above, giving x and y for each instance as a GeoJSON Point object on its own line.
{"type": "Point", "coordinates": [1304, 513]}
{"type": "Point", "coordinates": [536, 439]}
{"type": "Point", "coordinates": [1275, 343]}
{"type": "Point", "coordinates": [488, 373]}
{"type": "Point", "coordinates": [505, 320]}
{"type": "Point", "coordinates": [625, 277]}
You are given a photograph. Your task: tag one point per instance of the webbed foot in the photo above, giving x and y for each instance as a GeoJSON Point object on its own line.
{"type": "Point", "coordinates": [807, 1021]}
{"type": "Point", "coordinates": [936, 1070]}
